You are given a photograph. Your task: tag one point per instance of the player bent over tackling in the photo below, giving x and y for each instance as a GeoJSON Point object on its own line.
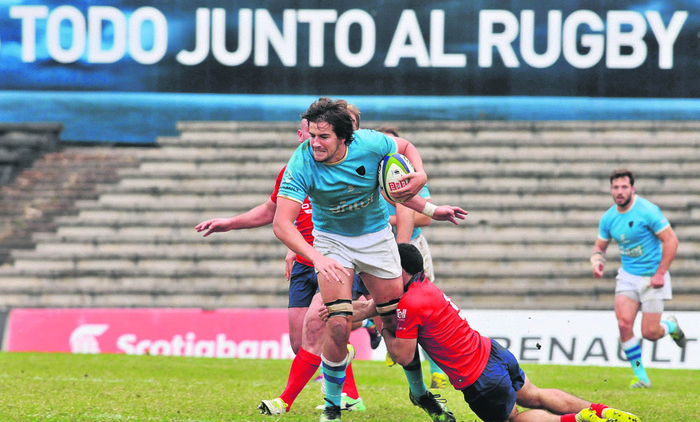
{"type": "Point", "coordinates": [488, 375]}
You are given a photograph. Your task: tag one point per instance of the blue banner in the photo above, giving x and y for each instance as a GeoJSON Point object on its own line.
{"type": "Point", "coordinates": [156, 62]}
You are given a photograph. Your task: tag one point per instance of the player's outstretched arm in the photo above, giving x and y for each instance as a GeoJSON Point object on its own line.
{"type": "Point", "coordinates": [437, 212]}
{"type": "Point", "coordinates": [259, 216]}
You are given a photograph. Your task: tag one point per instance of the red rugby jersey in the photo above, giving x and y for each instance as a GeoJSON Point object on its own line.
{"type": "Point", "coordinates": [428, 315]}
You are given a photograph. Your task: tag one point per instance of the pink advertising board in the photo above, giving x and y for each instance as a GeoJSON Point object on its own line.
{"type": "Point", "coordinates": [224, 333]}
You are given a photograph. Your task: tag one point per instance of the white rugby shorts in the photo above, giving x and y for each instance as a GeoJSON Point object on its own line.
{"type": "Point", "coordinates": [374, 253]}
{"type": "Point", "coordinates": [637, 288]}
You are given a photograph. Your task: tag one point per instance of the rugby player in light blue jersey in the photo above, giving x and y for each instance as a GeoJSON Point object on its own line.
{"type": "Point", "coordinates": [337, 168]}
{"type": "Point", "coordinates": [647, 246]}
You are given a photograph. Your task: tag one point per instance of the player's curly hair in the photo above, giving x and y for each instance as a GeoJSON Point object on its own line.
{"type": "Point", "coordinates": [616, 174]}
{"type": "Point", "coordinates": [333, 112]}
{"type": "Point", "coordinates": [411, 258]}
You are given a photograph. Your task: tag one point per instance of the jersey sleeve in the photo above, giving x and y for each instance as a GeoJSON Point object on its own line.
{"type": "Point", "coordinates": [407, 327]}
{"type": "Point", "coordinates": [294, 184]}
{"type": "Point", "coordinates": [275, 192]}
{"type": "Point", "coordinates": [656, 220]}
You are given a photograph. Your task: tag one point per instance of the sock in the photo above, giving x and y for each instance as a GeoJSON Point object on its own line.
{"type": "Point", "coordinates": [414, 375]}
{"type": "Point", "coordinates": [304, 367]}
{"type": "Point", "coordinates": [367, 323]}
{"type": "Point", "coordinates": [633, 351]}
{"type": "Point", "coordinates": [571, 417]}
{"type": "Point", "coordinates": [433, 366]}
{"type": "Point", "coordinates": [334, 377]}
{"type": "Point", "coordinates": [669, 326]}
{"type": "Point", "coordinates": [350, 388]}
{"type": "Point", "coordinates": [599, 409]}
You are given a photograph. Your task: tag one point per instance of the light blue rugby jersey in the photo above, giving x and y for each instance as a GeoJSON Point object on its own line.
{"type": "Point", "coordinates": [424, 193]}
{"type": "Point", "coordinates": [635, 233]}
{"type": "Point", "coordinates": [344, 196]}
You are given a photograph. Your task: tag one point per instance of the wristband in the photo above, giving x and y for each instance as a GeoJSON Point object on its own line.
{"type": "Point", "coordinates": [429, 209]}
{"type": "Point", "coordinates": [597, 258]}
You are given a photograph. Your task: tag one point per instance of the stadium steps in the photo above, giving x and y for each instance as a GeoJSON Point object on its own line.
{"type": "Point", "coordinates": [535, 192]}
{"type": "Point", "coordinates": [49, 189]}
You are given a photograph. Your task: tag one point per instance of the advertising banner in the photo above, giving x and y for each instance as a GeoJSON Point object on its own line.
{"type": "Point", "coordinates": [174, 59]}
{"type": "Point", "coordinates": [546, 337]}
{"type": "Point", "coordinates": [230, 333]}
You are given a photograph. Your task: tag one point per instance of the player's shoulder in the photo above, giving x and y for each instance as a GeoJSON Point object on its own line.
{"type": "Point", "coordinates": [370, 138]}
{"type": "Point", "coordinates": [644, 204]}
{"type": "Point", "coordinates": [610, 213]}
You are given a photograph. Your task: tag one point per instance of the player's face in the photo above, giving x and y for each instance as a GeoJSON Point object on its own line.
{"type": "Point", "coordinates": [622, 191]}
{"type": "Point", "coordinates": [326, 145]}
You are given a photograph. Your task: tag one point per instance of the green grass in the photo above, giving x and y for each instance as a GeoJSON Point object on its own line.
{"type": "Point", "coordinates": [65, 387]}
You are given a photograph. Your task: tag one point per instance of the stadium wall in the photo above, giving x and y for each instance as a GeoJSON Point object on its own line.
{"type": "Point", "coordinates": [544, 337]}
{"type": "Point", "coordinates": [127, 71]}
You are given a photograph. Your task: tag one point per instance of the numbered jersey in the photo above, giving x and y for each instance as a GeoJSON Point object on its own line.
{"type": "Point", "coordinates": [425, 313]}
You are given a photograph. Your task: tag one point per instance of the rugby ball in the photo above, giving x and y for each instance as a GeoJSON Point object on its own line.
{"type": "Point", "coordinates": [391, 168]}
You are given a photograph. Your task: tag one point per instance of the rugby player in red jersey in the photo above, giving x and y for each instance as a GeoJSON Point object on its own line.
{"type": "Point", "coordinates": [488, 375]}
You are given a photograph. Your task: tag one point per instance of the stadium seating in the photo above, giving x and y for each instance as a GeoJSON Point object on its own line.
{"type": "Point", "coordinates": [534, 190]}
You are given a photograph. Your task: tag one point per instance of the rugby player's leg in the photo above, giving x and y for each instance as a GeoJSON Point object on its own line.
{"type": "Point", "coordinates": [337, 297]}
{"type": "Point", "coordinates": [652, 329]}
{"type": "Point", "coordinates": [296, 324]}
{"type": "Point", "coordinates": [554, 401]}
{"type": "Point", "coordinates": [302, 291]}
{"type": "Point", "coordinates": [626, 309]}
{"type": "Point", "coordinates": [303, 285]}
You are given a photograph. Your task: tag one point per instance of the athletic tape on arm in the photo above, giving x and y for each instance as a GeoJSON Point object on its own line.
{"type": "Point", "coordinates": [597, 258]}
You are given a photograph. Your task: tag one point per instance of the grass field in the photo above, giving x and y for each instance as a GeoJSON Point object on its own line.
{"type": "Point", "coordinates": [66, 387]}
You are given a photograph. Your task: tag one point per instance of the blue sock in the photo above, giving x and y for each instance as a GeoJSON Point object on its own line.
{"type": "Point", "coordinates": [670, 326]}
{"type": "Point", "coordinates": [633, 351]}
{"type": "Point", "coordinates": [334, 377]}
{"type": "Point", "coordinates": [433, 366]}
{"type": "Point", "coordinates": [414, 375]}
{"type": "Point", "coordinates": [415, 382]}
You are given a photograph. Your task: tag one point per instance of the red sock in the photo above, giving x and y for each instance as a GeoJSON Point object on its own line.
{"type": "Point", "coordinates": [350, 388]}
{"type": "Point", "coordinates": [598, 409]}
{"type": "Point", "coordinates": [304, 367]}
{"type": "Point", "coordinates": [571, 417]}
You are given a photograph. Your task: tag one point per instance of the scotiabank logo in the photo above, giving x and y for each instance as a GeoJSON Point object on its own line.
{"type": "Point", "coordinates": [219, 347]}
{"type": "Point", "coordinates": [84, 338]}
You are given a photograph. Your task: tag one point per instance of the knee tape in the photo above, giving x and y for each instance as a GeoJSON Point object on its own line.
{"type": "Point", "coordinates": [340, 307]}
{"type": "Point", "coordinates": [388, 308]}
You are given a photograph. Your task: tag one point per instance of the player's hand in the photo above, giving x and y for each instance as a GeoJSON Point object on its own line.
{"type": "Point", "coordinates": [657, 281]}
{"type": "Point", "coordinates": [331, 270]}
{"type": "Point", "coordinates": [598, 270]}
{"type": "Point", "coordinates": [289, 264]}
{"type": "Point", "coordinates": [323, 313]}
{"type": "Point", "coordinates": [416, 181]}
{"type": "Point", "coordinates": [449, 213]}
{"type": "Point", "coordinates": [215, 225]}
